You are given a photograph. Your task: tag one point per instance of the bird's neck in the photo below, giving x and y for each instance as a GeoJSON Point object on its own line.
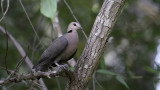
{"type": "Point", "coordinates": [69, 31]}
{"type": "Point", "coordinates": [72, 34]}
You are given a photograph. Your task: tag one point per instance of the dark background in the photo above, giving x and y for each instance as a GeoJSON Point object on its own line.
{"type": "Point", "coordinates": [131, 54]}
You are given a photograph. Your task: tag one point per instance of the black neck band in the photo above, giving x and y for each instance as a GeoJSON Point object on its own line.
{"type": "Point", "coordinates": [69, 31]}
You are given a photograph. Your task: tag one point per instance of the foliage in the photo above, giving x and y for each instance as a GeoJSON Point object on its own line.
{"type": "Point", "coordinates": [117, 76]}
{"type": "Point", "coordinates": [127, 61]}
{"type": "Point", "coordinates": [48, 8]}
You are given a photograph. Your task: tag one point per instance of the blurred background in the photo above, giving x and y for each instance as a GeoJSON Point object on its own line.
{"type": "Point", "coordinates": [132, 56]}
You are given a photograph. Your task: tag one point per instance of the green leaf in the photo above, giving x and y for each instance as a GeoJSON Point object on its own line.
{"type": "Point", "coordinates": [106, 72]}
{"type": "Point", "coordinates": [122, 81]}
{"type": "Point", "coordinates": [131, 74]}
{"type": "Point", "coordinates": [118, 77]}
{"type": "Point", "coordinates": [48, 8]}
{"type": "Point", "coordinates": [151, 70]}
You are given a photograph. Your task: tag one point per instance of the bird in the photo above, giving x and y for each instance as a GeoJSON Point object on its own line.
{"type": "Point", "coordinates": [61, 49]}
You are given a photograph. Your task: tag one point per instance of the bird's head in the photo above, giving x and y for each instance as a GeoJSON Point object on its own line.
{"type": "Point", "coordinates": [74, 26]}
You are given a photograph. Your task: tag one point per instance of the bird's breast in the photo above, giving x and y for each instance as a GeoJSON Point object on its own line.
{"type": "Point", "coordinates": [72, 46]}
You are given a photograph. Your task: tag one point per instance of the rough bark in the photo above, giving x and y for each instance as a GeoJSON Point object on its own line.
{"type": "Point", "coordinates": [95, 45]}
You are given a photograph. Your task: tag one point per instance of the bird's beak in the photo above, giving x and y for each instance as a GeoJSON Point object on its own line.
{"type": "Point", "coordinates": [80, 28]}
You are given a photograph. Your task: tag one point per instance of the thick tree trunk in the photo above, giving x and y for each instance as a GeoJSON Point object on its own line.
{"type": "Point", "coordinates": [95, 45]}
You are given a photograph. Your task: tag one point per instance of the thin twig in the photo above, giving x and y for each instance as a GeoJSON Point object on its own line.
{"type": "Point", "coordinates": [6, 52]}
{"type": "Point", "coordinates": [34, 41]}
{"type": "Point", "coordinates": [51, 32]}
{"type": "Point", "coordinates": [71, 11]}
{"type": "Point", "coordinates": [56, 25]}
{"type": "Point", "coordinates": [58, 83]}
{"type": "Point", "coordinates": [38, 44]}
{"type": "Point", "coordinates": [75, 17]}
{"type": "Point", "coordinates": [43, 84]}
{"type": "Point", "coordinates": [2, 6]}
{"type": "Point", "coordinates": [22, 52]}
{"type": "Point", "coordinates": [19, 47]}
{"type": "Point", "coordinates": [29, 20]}
{"type": "Point", "coordinates": [19, 63]}
{"type": "Point", "coordinates": [99, 84]}
{"type": "Point", "coordinates": [5, 61]}
{"type": "Point", "coordinates": [5, 69]}
{"type": "Point", "coordinates": [4, 13]}
{"type": "Point", "coordinates": [33, 49]}
{"type": "Point", "coordinates": [37, 84]}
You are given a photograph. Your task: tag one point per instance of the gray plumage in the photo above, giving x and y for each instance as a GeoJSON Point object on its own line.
{"type": "Point", "coordinates": [61, 50]}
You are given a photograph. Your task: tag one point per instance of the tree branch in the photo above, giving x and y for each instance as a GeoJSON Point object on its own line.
{"type": "Point", "coordinates": [33, 76]}
{"type": "Point", "coordinates": [19, 48]}
{"type": "Point", "coordinates": [4, 13]}
{"type": "Point", "coordinates": [89, 59]}
{"type": "Point", "coordinates": [96, 44]}
{"type": "Point", "coordinates": [22, 52]}
{"type": "Point", "coordinates": [56, 26]}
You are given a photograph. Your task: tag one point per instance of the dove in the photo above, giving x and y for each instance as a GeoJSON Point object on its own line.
{"type": "Point", "coordinates": [61, 49]}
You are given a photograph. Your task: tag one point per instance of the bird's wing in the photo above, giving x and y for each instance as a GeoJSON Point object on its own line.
{"type": "Point", "coordinates": [55, 49]}
{"type": "Point", "coordinates": [63, 61]}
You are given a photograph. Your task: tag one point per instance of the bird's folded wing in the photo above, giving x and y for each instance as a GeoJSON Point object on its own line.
{"type": "Point", "coordinates": [54, 50]}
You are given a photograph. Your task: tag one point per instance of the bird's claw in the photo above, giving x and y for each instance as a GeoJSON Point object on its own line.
{"type": "Point", "coordinates": [65, 66]}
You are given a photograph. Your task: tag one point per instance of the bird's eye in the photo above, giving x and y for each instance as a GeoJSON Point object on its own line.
{"type": "Point", "coordinates": [74, 24]}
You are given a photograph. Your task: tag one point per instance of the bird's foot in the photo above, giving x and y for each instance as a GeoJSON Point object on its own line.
{"type": "Point", "coordinates": [65, 66]}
